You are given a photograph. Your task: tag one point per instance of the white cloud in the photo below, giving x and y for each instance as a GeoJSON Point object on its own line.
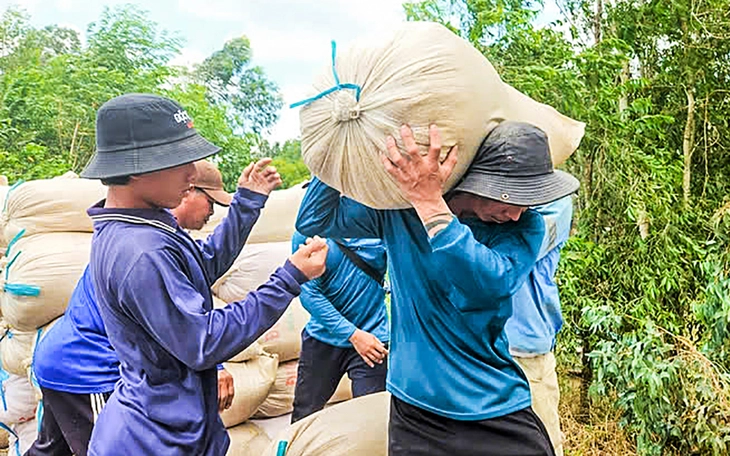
{"type": "Point", "coordinates": [288, 125]}
{"type": "Point", "coordinates": [29, 5]}
{"type": "Point", "coordinates": [66, 5]}
{"type": "Point", "coordinates": [188, 57]}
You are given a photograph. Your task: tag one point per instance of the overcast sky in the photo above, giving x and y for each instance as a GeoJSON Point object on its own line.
{"type": "Point", "coordinates": [290, 38]}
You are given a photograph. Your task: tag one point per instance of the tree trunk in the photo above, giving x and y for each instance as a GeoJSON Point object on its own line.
{"type": "Point", "coordinates": [584, 414]}
{"type": "Point", "coordinates": [597, 21]}
{"type": "Point", "coordinates": [623, 101]}
{"type": "Point", "coordinates": [688, 144]}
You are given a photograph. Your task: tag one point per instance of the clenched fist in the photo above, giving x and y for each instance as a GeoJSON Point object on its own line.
{"type": "Point", "coordinates": [310, 258]}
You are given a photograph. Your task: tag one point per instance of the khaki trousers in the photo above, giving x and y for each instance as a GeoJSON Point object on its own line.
{"type": "Point", "coordinates": [540, 371]}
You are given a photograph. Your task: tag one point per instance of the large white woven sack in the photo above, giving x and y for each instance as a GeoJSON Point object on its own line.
{"type": "Point", "coordinates": [252, 381]}
{"type": "Point", "coordinates": [24, 434]}
{"type": "Point", "coordinates": [280, 399]}
{"type": "Point", "coordinates": [355, 428]}
{"type": "Point", "coordinates": [17, 348]}
{"type": "Point", "coordinates": [39, 275]}
{"type": "Point", "coordinates": [343, 391]}
{"type": "Point", "coordinates": [420, 74]}
{"type": "Point", "coordinates": [50, 205]}
{"type": "Point", "coordinates": [252, 268]}
{"type": "Point", "coordinates": [252, 351]}
{"type": "Point", "coordinates": [276, 222]}
{"type": "Point", "coordinates": [18, 403]}
{"type": "Point", "coordinates": [284, 339]}
{"type": "Point", "coordinates": [247, 439]}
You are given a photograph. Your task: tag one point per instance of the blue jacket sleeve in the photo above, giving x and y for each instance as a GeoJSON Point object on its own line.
{"type": "Point", "coordinates": [558, 217]}
{"type": "Point", "coordinates": [324, 212]}
{"type": "Point", "coordinates": [317, 304]}
{"type": "Point", "coordinates": [496, 271]}
{"type": "Point", "coordinates": [172, 311]}
{"type": "Point", "coordinates": [222, 247]}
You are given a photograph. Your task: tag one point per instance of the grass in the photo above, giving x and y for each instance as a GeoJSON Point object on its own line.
{"type": "Point", "coordinates": [601, 435]}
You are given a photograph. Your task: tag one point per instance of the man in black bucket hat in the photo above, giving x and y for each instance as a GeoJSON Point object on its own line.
{"type": "Point", "coordinates": [152, 281]}
{"type": "Point", "coordinates": [455, 262]}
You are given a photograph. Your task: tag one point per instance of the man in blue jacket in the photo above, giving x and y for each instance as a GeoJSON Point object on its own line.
{"type": "Point", "coordinates": [74, 363]}
{"type": "Point", "coordinates": [536, 319]}
{"type": "Point", "coordinates": [152, 281]}
{"type": "Point", "coordinates": [348, 329]}
{"type": "Point", "coordinates": [454, 265]}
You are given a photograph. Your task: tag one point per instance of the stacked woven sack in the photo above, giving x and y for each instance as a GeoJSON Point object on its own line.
{"type": "Point", "coordinates": [45, 235]}
{"type": "Point", "coordinates": [358, 427]}
{"type": "Point", "coordinates": [265, 373]}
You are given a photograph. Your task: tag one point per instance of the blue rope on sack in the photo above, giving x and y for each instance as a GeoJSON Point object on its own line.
{"type": "Point", "coordinates": [4, 376]}
{"type": "Point", "coordinates": [15, 239]}
{"type": "Point", "coordinates": [17, 440]}
{"type": "Point", "coordinates": [281, 450]}
{"type": "Point", "coordinates": [15, 185]}
{"type": "Point", "coordinates": [19, 289]}
{"type": "Point", "coordinates": [338, 85]}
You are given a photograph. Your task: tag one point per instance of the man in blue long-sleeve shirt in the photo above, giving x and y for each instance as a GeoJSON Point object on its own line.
{"type": "Point", "coordinates": [348, 328]}
{"type": "Point", "coordinates": [152, 281]}
{"type": "Point", "coordinates": [537, 318]}
{"type": "Point", "coordinates": [75, 364]}
{"type": "Point", "coordinates": [454, 265]}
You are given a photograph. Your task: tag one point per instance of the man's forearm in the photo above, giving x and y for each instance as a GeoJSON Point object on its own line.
{"type": "Point", "coordinates": [435, 215]}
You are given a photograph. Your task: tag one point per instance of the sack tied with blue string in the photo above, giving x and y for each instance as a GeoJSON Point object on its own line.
{"type": "Point", "coordinates": [420, 74]}
{"type": "Point", "coordinates": [38, 276]}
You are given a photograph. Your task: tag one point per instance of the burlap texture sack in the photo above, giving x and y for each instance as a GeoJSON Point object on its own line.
{"type": "Point", "coordinates": [280, 399]}
{"type": "Point", "coordinates": [24, 434]}
{"type": "Point", "coordinates": [17, 348]}
{"type": "Point", "coordinates": [19, 401]}
{"type": "Point", "coordinates": [39, 275]}
{"type": "Point", "coordinates": [355, 428]}
{"type": "Point", "coordinates": [422, 73]}
{"type": "Point", "coordinates": [50, 205]}
{"type": "Point", "coordinates": [252, 268]}
{"type": "Point", "coordinates": [247, 439]}
{"type": "Point", "coordinates": [276, 222]}
{"type": "Point", "coordinates": [252, 381]}
{"type": "Point", "coordinates": [252, 351]}
{"type": "Point", "coordinates": [285, 337]}
{"type": "Point", "coordinates": [343, 391]}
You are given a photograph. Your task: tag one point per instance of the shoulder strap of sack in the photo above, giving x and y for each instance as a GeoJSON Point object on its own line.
{"type": "Point", "coordinates": [360, 263]}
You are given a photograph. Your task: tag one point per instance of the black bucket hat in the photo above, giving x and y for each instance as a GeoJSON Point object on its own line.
{"type": "Point", "coordinates": [513, 165]}
{"type": "Point", "coordinates": [140, 133]}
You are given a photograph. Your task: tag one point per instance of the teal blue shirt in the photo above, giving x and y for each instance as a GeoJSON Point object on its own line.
{"type": "Point", "coordinates": [344, 298]}
{"type": "Point", "coordinates": [537, 318]}
{"type": "Point", "coordinates": [451, 298]}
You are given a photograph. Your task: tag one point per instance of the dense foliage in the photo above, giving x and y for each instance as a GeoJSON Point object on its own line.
{"type": "Point", "coordinates": [51, 86]}
{"type": "Point", "coordinates": [645, 278]}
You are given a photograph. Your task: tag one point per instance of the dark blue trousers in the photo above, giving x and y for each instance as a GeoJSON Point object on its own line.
{"type": "Point", "coordinates": [321, 367]}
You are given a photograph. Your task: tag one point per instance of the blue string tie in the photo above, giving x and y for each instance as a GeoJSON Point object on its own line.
{"type": "Point", "coordinates": [337, 87]}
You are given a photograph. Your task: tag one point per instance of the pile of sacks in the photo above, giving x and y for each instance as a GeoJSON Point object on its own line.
{"type": "Point", "coordinates": [45, 237]}
{"type": "Point", "coordinates": [265, 373]}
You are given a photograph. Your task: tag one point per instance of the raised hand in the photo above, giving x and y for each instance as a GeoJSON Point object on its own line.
{"type": "Point", "coordinates": [420, 178]}
{"type": "Point", "coordinates": [259, 177]}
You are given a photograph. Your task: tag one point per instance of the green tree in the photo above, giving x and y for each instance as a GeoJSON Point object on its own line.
{"type": "Point", "coordinates": [251, 99]}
